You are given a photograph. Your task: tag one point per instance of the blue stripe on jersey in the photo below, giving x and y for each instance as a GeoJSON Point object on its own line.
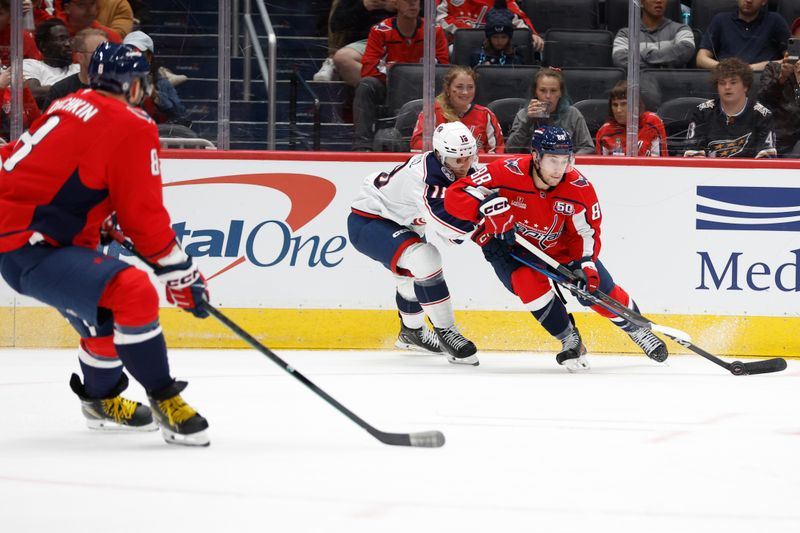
{"type": "Point", "coordinates": [436, 183]}
{"type": "Point", "coordinates": [65, 216]}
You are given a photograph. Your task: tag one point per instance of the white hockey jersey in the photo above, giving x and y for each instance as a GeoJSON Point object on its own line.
{"type": "Point", "coordinates": [412, 195]}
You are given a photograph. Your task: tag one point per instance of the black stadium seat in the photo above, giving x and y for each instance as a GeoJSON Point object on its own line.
{"type": "Point", "coordinates": [572, 14]}
{"type": "Point", "coordinates": [663, 84]}
{"type": "Point", "coordinates": [578, 48]}
{"type": "Point", "coordinates": [617, 13]}
{"type": "Point", "coordinates": [704, 10]}
{"type": "Point", "coordinates": [496, 82]}
{"type": "Point", "coordinates": [588, 83]}
{"type": "Point", "coordinates": [595, 112]}
{"type": "Point", "coordinates": [404, 83]}
{"type": "Point", "coordinates": [505, 110]}
{"type": "Point", "coordinates": [676, 115]}
{"type": "Point", "coordinates": [789, 10]}
{"type": "Point", "coordinates": [468, 40]}
{"type": "Point", "coordinates": [397, 138]}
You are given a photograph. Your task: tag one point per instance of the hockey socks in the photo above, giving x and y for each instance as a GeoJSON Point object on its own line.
{"type": "Point", "coordinates": [434, 296]}
{"type": "Point", "coordinates": [144, 353]}
{"type": "Point", "coordinates": [551, 314]}
{"type": "Point", "coordinates": [410, 312]}
{"type": "Point", "coordinates": [100, 366]}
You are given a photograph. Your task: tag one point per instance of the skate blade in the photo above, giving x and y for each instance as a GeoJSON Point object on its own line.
{"type": "Point", "coordinates": [194, 439]}
{"type": "Point", "coordinates": [577, 365]}
{"type": "Point", "coordinates": [110, 426]}
{"type": "Point", "coordinates": [471, 360]}
{"type": "Point", "coordinates": [413, 347]}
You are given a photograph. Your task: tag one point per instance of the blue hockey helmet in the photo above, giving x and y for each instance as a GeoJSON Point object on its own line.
{"type": "Point", "coordinates": [551, 140]}
{"type": "Point", "coordinates": [114, 67]}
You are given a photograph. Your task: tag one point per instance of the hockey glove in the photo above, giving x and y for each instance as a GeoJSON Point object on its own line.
{"type": "Point", "coordinates": [185, 285]}
{"type": "Point", "coordinates": [497, 217]}
{"type": "Point", "coordinates": [493, 249]}
{"type": "Point", "coordinates": [586, 272]}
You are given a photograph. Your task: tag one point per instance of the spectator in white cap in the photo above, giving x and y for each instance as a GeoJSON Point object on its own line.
{"type": "Point", "coordinates": [141, 41]}
{"type": "Point", "coordinates": [163, 103]}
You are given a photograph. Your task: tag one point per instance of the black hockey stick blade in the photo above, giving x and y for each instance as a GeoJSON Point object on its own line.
{"type": "Point", "coordinates": [423, 439]}
{"type": "Point", "coordinates": [766, 366]}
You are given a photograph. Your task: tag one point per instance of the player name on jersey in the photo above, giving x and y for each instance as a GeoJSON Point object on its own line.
{"type": "Point", "coordinates": [78, 107]}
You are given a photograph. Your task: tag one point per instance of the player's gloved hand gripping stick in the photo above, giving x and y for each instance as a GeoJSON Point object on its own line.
{"type": "Point", "coordinates": [566, 278]}
{"type": "Point", "coordinates": [426, 439]}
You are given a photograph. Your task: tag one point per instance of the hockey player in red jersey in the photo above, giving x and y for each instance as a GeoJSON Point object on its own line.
{"type": "Point", "coordinates": [388, 223]}
{"type": "Point", "coordinates": [92, 155]}
{"type": "Point", "coordinates": [543, 199]}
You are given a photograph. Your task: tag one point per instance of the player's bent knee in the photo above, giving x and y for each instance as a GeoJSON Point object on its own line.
{"type": "Point", "coordinates": [530, 285]}
{"type": "Point", "coordinates": [132, 298]}
{"type": "Point", "coordinates": [423, 260]}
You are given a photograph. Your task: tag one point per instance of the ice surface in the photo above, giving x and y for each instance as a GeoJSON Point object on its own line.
{"type": "Point", "coordinates": [631, 446]}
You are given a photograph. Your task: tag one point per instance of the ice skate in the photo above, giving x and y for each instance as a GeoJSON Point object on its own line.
{"type": "Point", "coordinates": [180, 424]}
{"type": "Point", "coordinates": [573, 354]}
{"type": "Point", "coordinates": [113, 413]}
{"type": "Point", "coordinates": [459, 349]}
{"type": "Point", "coordinates": [652, 346]}
{"type": "Point", "coordinates": [420, 339]}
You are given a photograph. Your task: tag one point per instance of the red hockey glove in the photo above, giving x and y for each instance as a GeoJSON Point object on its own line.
{"type": "Point", "coordinates": [588, 277]}
{"type": "Point", "coordinates": [185, 285]}
{"type": "Point", "coordinates": [497, 217]}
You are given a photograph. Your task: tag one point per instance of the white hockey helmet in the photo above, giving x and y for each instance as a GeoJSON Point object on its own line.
{"type": "Point", "coordinates": [453, 139]}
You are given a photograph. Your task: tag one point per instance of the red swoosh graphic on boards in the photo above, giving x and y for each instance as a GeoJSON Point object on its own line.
{"type": "Point", "coordinates": [309, 195]}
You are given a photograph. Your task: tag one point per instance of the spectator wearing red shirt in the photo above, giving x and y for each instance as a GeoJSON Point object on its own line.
{"type": "Point", "coordinates": [455, 103]}
{"type": "Point", "coordinates": [395, 40]}
{"type": "Point", "coordinates": [81, 14]}
{"type": "Point", "coordinates": [452, 15]}
{"type": "Point", "coordinates": [29, 50]}
{"type": "Point", "coordinates": [611, 137]}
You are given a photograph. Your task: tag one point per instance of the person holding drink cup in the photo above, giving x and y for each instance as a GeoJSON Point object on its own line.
{"type": "Point", "coordinates": [550, 106]}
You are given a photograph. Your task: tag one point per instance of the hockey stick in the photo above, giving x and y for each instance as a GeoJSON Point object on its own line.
{"type": "Point", "coordinates": [567, 279]}
{"type": "Point", "coordinates": [425, 439]}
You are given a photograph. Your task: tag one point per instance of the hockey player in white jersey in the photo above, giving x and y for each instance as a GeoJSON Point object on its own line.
{"type": "Point", "coordinates": [388, 224]}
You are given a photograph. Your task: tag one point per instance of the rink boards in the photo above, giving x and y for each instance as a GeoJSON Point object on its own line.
{"type": "Point", "coordinates": [711, 247]}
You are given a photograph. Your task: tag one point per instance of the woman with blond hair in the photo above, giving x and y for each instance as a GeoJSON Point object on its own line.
{"type": "Point", "coordinates": [454, 103]}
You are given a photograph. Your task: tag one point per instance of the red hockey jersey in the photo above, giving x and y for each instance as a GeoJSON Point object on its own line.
{"type": "Point", "coordinates": [88, 156]}
{"type": "Point", "coordinates": [386, 46]}
{"type": "Point", "coordinates": [454, 14]}
{"type": "Point", "coordinates": [564, 221]}
{"type": "Point", "coordinates": [480, 120]}
{"type": "Point", "coordinates": [611, 138]}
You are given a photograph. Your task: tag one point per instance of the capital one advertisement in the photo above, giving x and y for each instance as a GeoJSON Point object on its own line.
{"type": "Point", "coordinates": [272, 233]}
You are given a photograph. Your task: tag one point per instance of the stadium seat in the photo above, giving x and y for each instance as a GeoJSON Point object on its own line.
{"type": "Point", "coordinates": [496, 82]}
{"type": "Point", "coordinates": [676, 115]}
{"type": "Point", "coordinates": [663, 84]}
{"type": "Point", "coordinates": [789, 10]}
{"type": "Point", "coordinates": [595, 113]}
{"type": "Point", "coordinates": [397, 138]}
{"type": "Point", "coordinates": [704, 10]}
{"type": "Point", "coordinates": [617, 13]}
{"type": "Point", "coordinates": [468, 40]}
{"type": "Point", "coordinates": [404, 83]}
{"type": "Point", "coordinates": [570, 14]}
{"type": "Point", "coordinates": [578, 48]}
{"type": "Point", "coordinates": [589, 83]}
{"type": "Point", "coordinates": [505, 110]}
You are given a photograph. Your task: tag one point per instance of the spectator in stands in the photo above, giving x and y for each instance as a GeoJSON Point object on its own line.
{"type": "Point", "coordinates": [81, 14]}
{"type": "Point", "coordinates": [30, 111]}
{"type": "Point", "coordinates": [162, 103]}
{"type": "Point", "coordinates": [399, 39]}
{"type": "Point", "coordinates": [550, 106]}
{"type": "Point", "coordinates": [455, 103]}
{"type": "Point", "coordinates": [350, 22]}
{"type": "Point", "coordinates": [731, 125]}
{"type": "Point", "coordinates": [780, 92]}
{"type": "Point", "coordinates": [611, 137]}
{"type": "Point", "coordinates": [53, 41]}
{"type": "Point", "coordinates": [29, 50]}
{"type": "Point", "coordinates": [42, 10]}
{"type": "Point", "coordinates": [497, 48]}
{"type": "Point", "coordinates": [115, 14]}
{"type": "Point", "coordinates": [85, 43]}
{"type": "Point", "coordinates": [455, 14]}
{"type": "Point", "coordinates": [751, 33]}
{"type": "Point", "coordinates": [663, 42]}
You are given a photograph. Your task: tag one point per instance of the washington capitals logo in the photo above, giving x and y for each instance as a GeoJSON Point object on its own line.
{"type": "Point", "coordinates": [547, 237]}
{"type": "Point", "coordinates": [513, 166]}
{"type": "Point", "coordinates": [580, 181]}
{"type": "Point", "coordinates": [382, 26]}
{"type": "Point", "coordinates": [728, 148]}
